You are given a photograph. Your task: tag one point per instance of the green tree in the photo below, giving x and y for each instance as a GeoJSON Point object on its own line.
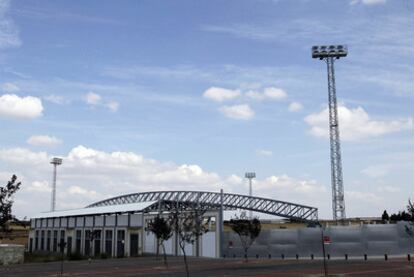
{"type": "Point", "coordinates": [247, 229]}
{"type": "Point", "coordinates": [6, 203]}
{"type": "Point", "coordinates": [163, 231]}
{"type": "Point", "coordinates": [385, 217]}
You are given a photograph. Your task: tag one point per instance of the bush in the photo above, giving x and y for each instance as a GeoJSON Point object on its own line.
{"type": "Point", "coordinates": [75, 257]}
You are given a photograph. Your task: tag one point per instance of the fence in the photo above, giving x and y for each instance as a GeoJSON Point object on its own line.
{"type": "Point", "coordinates": [355, 240]}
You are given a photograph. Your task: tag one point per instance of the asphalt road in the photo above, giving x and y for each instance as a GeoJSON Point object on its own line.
{"type": "Point", "coordinates": [202, 267]}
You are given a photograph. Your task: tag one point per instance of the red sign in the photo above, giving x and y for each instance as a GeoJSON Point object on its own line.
{"type": "Point", "coordinates": [327, 240]}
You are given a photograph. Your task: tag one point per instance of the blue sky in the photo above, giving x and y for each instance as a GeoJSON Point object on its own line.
{"type": "Point", "coordinates": [156, 95]}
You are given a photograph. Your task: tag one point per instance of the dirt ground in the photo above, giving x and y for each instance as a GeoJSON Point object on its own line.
{"type": "Point", "coordinates": [202, 267]}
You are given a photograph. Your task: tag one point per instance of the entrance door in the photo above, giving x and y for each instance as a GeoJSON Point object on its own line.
{"type": "Point", "coordinates": [69, 246]}
{"type": "Point", "coordinates": [133, 244]}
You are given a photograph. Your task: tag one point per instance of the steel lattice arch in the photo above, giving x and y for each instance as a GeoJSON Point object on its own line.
{"type": "Point", "coordinates": [214, 200]}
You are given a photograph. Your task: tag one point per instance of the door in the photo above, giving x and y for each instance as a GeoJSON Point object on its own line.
{"type": "Point", "coordinates": [133, 244]}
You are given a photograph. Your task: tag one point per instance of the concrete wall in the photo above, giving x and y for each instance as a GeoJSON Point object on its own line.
{"type": "Point", "coordinates": [380, 239]}
{"type": "Point", "coordinates": [11, 254]}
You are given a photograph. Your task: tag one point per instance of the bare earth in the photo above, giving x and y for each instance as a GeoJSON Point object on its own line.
{"type": "Point", "coordinates": [201, 267]}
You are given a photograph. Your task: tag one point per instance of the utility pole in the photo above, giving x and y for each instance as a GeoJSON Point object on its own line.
{"type": "Point", "coordinates": [329, 54]}
{"type": "Point", "coordinates": [55, 162]}
{"type": "Point", "coordinates": [250, 176]}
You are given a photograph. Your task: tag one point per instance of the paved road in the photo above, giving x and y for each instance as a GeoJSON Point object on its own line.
{"type": "Point", "coordinates": [201, 267]}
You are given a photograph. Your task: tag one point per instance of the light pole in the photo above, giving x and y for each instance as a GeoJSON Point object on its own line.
{"type": "Point", "coordinates": [55, 161]}
{"type": "Point", "coordinates": [329, 54]}
{"type": "Point", "coordinates": [250, 176]}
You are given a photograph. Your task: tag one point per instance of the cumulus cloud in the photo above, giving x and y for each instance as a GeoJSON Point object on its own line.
{"type": "Point", "coordinates": [242, 112]}
{"type": "Point", "coordinates": [39, 186]}
{"type": "Point", "coordinates": [43, 140]}
{"type": "Point", "coordinates": [355, 124]}
{"type": "Point", "coordinates": [271, 93]}
{"type": "Point", "coordinates": [92, 98]}
{"type": "Point", "coordinates": [113, 106]}
{"type": "Point", "coordinates": [9, 33]}
{"type": "Point", "coordinates": [10, 88]}
{"type": "Point", "coordinates": [295, 107]}
{"type": "Point", "coordinates": [368, 2]}
{"type": "Point", "coordinates": [221, 94]}
{"type": "Point", "coordinates": [88, 175]}
{"type": "Point", "coordinates": [13, 106]}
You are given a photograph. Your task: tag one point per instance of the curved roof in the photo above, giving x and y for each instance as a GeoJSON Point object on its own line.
{"type": "Point", "coordinates": [213, 200]}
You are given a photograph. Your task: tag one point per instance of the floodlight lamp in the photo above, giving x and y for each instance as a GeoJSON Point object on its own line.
{"type": "Point", "coordinates": [250, 175]}
{"type": "Point", "coordinates": [56, 161]}
{"type": "Point", "coordinates": [324, 51]}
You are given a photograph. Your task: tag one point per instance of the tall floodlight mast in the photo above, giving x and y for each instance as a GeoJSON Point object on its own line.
{"type": "Point", "coordinates": [329, 54]}
{"type": "Point", "coordinates": [250, 176]}
{"type": "Point", "coordinates": [55, 162]}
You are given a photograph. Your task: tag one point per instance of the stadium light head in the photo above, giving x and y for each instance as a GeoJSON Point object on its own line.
{"type": "Point", "coordinates": [250, 175]}
{"type": "Point", "coordinates": [56, 161]}
{"type": "Point", "coordinates": [325, 51]}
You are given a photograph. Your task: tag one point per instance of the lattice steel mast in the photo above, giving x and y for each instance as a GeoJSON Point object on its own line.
{"type": "Point", "coordinates": [329, 54]}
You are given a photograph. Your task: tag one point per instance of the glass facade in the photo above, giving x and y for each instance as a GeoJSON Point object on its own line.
{"type": "Point", "coordinates": [108, 242]}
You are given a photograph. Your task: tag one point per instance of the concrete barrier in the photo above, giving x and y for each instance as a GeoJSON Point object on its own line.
{"type": "Point", "coordinates": [11, 254]}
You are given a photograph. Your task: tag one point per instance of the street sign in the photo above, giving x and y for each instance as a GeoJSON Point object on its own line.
{"type": "Point", "coordinates": [327, 240]}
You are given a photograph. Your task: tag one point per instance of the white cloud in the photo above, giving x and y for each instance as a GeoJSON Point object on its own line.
{"type": "Point", "coordinates": [89, 175]}
{"type": "Point", "coordinates": [275, 93]}
{"type": "Point", "coordinates": [56, 99]}
{"type": "Point", "coordinates": [220, 94]}
{"type": "Point", "coordinates": [9, 34]}
{"type": "Point", "coordinates": [368, 2]}
{"type": "Point", "coordinates": [95, 99]}
{"type": "Point", "coordinates": [295, 107]}
{"type": "Point", "coordinates": [270, 93]}
{"type": "Point", "coordinates": [364, 196]}
{"type": "Point", "coordinates": [242, 112]}
{"type": "Point", "coordinates": [39, 186]}
{"type": "Point", "coordinates": [264, 152]}
{"type": "Point", "coordinates": [43, 140]}
{"type": "Point", "coordinates": [14, 106]}
{"type": "Point", "coordinates": [355, 124]}
{"type": "Point", "coordinates": [92, 98]}
{"type": "Point", "coordinates": [113, 106]}
{"type": "Point", "coordinates": [9, 88]}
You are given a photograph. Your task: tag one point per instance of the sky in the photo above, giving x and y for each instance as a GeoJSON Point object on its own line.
{"type": "Point", "coordinates": [189, 95]}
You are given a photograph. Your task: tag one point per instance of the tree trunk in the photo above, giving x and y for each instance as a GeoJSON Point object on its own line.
{"type": "Point", "coordinates": [185, 260]}
{"type": "Point", "coordinates": [165, 255]}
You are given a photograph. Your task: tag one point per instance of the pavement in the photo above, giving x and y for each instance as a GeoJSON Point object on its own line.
{"type": "Point", "coordinates": [204, 267]}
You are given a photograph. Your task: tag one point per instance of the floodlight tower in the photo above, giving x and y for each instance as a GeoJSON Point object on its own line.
{"type": "Point", "coordinates": [250, 176]}
{"type": "Point", "coordinates": [55, 162]}
{"type": "Point", "coordinates": [329, 54]}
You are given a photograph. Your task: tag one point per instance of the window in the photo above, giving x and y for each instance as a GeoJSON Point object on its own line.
{"type": "Point", "coordinates": [37, 240]}
{"type": "Point", "coordinates": [55, 240]}
{"type": "Point", "coordinates": [78, 241]}
{"type": "Point", "coordinates": [120, 249]}
{"type": "Point", "coordinates": [87, 249]}
{"type": "Point", "coordinates": [62, 241]}
{"type": "Point", "coordinates": [48, 238]}
{"type": "Point", "coordinates": [108, 242]}
{"type": "Point", "coordinates": [42, 240]}
{"type": "Point", "coordinates": [97, 242]}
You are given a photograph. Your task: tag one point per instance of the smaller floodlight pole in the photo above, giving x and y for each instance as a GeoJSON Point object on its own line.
{"type": "Point", "coordinates": [55, 162]}
{"type": "Point", "coordinates": [250, 176]}
{"type": "Point", "coordinates": [329, 54]}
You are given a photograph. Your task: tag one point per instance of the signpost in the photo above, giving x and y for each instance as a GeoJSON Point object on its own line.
{"type": "Point", "coordinates": [325, 240]}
